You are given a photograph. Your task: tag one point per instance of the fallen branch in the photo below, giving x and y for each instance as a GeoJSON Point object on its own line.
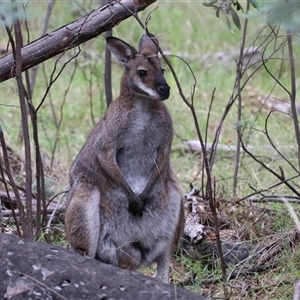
{"type": "Point", "coordinates": [8, 213]}
{"type": "Point", "coordinates": [72, 35]}
{"type": "Point", "coordinates": [9, 203]}
{"type": "Point", "coordinates": [276, 199]}
{"type": "Point", "coordinates": [260, 287]}
{"type": "Point", "coordinates": [195, 146]}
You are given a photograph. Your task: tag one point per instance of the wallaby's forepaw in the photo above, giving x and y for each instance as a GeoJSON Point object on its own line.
{"type": "Point", "coordinates": [136, 207]}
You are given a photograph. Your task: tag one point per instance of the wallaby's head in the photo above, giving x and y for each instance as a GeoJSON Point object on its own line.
{"type": "Point", "coordinates": [143, 71]}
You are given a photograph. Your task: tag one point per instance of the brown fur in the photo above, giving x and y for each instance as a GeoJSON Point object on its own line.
{"type": "Point", "coordinates": [124, 205]}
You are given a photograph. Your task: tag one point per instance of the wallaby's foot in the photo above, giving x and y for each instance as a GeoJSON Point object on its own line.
{"type": "Point", "coordinates": [163, 263]}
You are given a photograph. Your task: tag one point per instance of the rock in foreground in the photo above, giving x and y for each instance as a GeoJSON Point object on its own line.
{"type": "Point", "coordinates": [30, 270]}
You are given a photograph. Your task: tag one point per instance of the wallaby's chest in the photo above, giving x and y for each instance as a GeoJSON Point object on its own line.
{"type": "Point", "coordinates": [138, 149]}
{"type": "Point", "coordinates": [144, 131]}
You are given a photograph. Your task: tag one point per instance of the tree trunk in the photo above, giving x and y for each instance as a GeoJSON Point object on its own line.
{"type": "Point", "coordinates": [72, 35]}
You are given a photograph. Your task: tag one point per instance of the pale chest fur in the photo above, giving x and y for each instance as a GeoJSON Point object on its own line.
{"type": "Point", "coordinates": [138, 149]}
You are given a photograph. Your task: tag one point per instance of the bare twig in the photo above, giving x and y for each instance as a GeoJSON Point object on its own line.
{"type": "Point", "coordinates": [54, 77]}
{"type": "Point", "coordinates": [28, 232]}
{"type": "Point", "coordinates": [270, 57]}
{"type": "Point", "coordinates": [239, 67]}
{"type": "Point", "coordinates": [12, 182]}
{"type": "Point", "coordinates": [9, 34]}
{"type": "Point", "coordinates": [292, 93]}
{"type": "Point", "coordinates": [107, 68]}
{"type": "Point", "coordinates": [54, 212]}
{"type": "Point", "coordinates": [261, 191]}
{"type": "Point", "coordinates": [213, 148]}
{"type": "Point", "coordinates": [88, 75]}
{"type": "Point", "coordinates": [255, 158]}
{"type": "Point", "coordinates": [273, 144]}
{"type": "Point", "coordinates": [45, 286]}
{"type": "Point", "coordinates": [60, 118]}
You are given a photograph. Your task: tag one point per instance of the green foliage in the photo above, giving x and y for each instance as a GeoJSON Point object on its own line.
{"type": "Point", "coordinates": [242, 125]}
{"type": "Point", "coordinates": [282, 13]}
{"type": "Point", "coordinates": [225, 7]}
{"type": "Point", "coordinates": [11, 11]}
{"type": "Point", "coordinates": [285, 13]}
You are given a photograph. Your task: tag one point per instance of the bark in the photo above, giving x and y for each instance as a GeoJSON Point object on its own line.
{"type": "Point", "coordinates": [72, 35]}
{"type": "Point", "coordinates": [34, 271]}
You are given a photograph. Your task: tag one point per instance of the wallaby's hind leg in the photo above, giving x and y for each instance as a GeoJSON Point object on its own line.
{"type": "Point", "coordinates": [177, 218]}
{"type": "Point", "coordinates": [163, 265]}
{"type": "Point", "coordinates": [82, 219]}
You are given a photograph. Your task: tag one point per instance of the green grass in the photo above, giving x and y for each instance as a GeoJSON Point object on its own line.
{"type": "Point", "coordinates": [190, 30]}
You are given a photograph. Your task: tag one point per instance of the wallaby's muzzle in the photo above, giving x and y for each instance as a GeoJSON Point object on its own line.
{"type": "Point", "coordinates": [164, 91]}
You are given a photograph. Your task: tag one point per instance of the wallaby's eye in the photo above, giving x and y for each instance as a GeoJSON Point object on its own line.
{"type": "Point", "coordinates": [163, 71]}
{"type": "Point", "coordinates": [142, 73]}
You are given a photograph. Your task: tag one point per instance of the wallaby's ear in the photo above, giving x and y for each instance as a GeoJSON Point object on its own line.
{"type": "Point", "coordinates": [147, 46]}
{"type": "Point", "coordinates": [121, 50]}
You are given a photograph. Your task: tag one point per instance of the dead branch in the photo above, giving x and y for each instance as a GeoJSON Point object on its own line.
{"type": "Point", "coordinates": [72, 35]}
{"type": "Point", "coordinates": [27, 229]}
{"type": "Point", "coordinates": [265, 166]}
{"type": "Point", "coordinates": [57, 209]}
{"type": "Point", "coordinates": [276, 199]}
{"type": "Point", "coordinates": [293, 92]}
{"type": "Point", "coordinates": [239, 77]}
{"type": "Point", "coordinates": [51, 212]}
{"type": "Point", "coordinates": [195, 146]}
{"type": "Point", "coordinates": [107, 70]}
{"type": "Point", "coordinates": [9, 203]}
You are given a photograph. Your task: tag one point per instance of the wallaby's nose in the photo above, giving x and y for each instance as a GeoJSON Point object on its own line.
{"type": "Point", "coordinates": [164, 91]}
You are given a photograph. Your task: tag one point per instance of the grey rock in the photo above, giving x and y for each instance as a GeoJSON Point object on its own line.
{"type": "Point", "coordinates": [31, 270]}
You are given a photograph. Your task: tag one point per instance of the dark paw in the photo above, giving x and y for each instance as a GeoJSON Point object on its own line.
{"type": "Point", "coordinates": [136, 208]}
{"type": "Point", "coordinates": [137, 213]}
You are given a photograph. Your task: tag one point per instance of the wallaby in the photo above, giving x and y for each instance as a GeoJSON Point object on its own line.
{"type": "Point", "coordinates": [124, 205]}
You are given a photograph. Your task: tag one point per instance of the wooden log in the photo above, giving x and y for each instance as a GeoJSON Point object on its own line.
{"type": "Point", "coordinates": [72, 35]}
